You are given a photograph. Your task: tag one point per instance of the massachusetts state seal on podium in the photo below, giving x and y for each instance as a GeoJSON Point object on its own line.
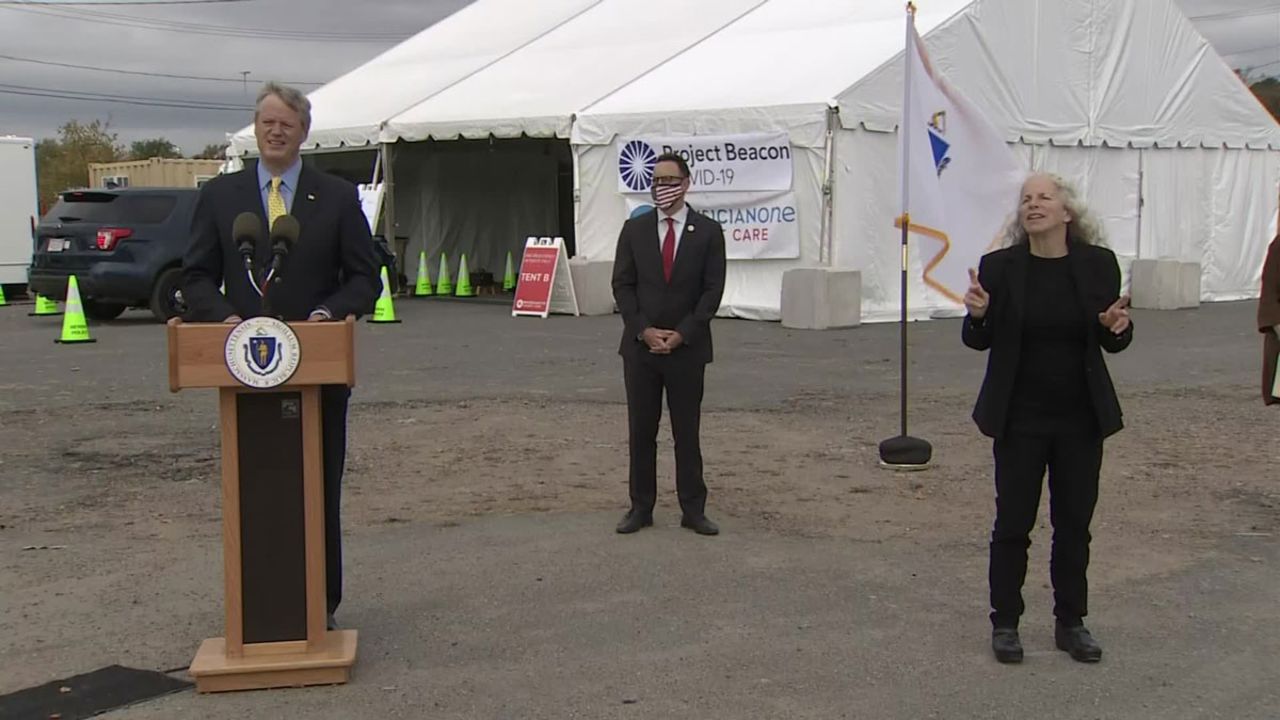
{"type": "Point", "coordinates": [262, 352]}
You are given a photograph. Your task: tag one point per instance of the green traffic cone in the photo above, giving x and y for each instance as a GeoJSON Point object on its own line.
{"type": "Point", "coordinates": [45, 307]}
{"type": "Point", "coordinates": [384, 311]}
{"type": "Point", "coordinates": [74, 327]}
{"type": "Point", "coordinates": [444, 286]}
{"type": "Point", "coordinates": [464, 279]}
{"type": "Point", "coordinates": [423, 288]}
{"type": "Point", "coordinates": [509, 277]}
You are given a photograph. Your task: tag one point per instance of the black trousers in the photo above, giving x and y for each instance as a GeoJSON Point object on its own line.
{"type": "Point", "coordinates": [646, 376]}
{"type": "Point", "coordinates": [1073, 460]}
{"type": "Point", "coordinates": [333, 429]}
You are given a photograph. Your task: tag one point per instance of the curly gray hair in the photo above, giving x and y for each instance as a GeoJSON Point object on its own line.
{"type": "Point", "coordinates": [293, 97]}
{"type": "Point", "coordinates": [1083, 228]}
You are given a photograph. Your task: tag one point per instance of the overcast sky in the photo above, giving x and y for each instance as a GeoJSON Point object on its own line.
{"type": "Point", "coordinates": [1245, 32]}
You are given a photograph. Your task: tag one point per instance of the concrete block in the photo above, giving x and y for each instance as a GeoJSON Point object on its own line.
{"type": "Point", "coordinates": [1188, 284]}
{"type": "Point", "coordinates": [821, 298]}
{"type": "Point", "coordinates": [1155, 284]}
{"type": "Point", "coordinates": [593, 284]}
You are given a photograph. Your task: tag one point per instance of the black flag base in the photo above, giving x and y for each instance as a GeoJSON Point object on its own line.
{"type": "Point", "coordinates": [905, 453]}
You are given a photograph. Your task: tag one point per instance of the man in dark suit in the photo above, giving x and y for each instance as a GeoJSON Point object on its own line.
{"type": "Point", "coordinates": [668, 277]}
{"type": "Point", "coordinates": [331, 271]}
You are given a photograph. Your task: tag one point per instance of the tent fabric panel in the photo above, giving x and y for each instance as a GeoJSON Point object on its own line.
{"type": "Point", "coordinates": [1123, 73]}
{"type": "Point", "coordinates": [805, 125]}
{"type": "Point", "coordinates": [351, 109]}
{"type": "Point", "coordinates": [539, 87]}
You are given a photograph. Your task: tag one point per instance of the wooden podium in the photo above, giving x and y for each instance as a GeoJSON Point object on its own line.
{"type": "Point", "coordinates": [272, 510]}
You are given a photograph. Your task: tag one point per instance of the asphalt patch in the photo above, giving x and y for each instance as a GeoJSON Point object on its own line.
{"type": "Point", "coordinates": [90, 694]}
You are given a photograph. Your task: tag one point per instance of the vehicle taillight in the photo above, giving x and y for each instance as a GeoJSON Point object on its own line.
{"type": "Point", "coordinates": [109, 237]}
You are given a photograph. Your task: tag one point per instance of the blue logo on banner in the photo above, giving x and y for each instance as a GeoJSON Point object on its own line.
{"type": "Point", "coordinates": [636, 161]}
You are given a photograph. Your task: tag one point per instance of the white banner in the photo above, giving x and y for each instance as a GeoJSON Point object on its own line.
{"type": "Point", "coordinates": [371, 203]}
{"type": "Point", "coordinates": [757, 226]}
{"type": "Point", "coordinates": [717, 163]}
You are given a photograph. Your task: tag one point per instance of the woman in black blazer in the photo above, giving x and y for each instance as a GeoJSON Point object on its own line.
{"type": "Point", "coordinates": [1046, 306]}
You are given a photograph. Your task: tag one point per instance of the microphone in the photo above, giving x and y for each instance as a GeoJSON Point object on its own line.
{"type": "Point", "coordinates": [284, 233]}
{"type": "Point", "coordinates": [247, 231]}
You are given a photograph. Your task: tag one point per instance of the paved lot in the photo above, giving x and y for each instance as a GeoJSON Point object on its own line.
{"type": "Point", "coordinates": [487, 470]}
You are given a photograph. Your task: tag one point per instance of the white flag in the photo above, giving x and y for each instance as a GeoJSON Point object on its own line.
{"type": "Point", "coordinates": [961, 180]}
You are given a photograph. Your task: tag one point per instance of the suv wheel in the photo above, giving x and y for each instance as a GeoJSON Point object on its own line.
{"type": "Point", "coordinates": [166, 297]}
{"type": "Point", "coordinates": [101, 311]}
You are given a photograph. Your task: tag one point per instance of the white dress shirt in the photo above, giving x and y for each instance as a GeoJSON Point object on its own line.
{"type": "Point", "coordinates": [680, 217]}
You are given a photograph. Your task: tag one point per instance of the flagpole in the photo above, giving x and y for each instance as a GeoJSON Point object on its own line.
{"type": "Point", "coordinates": [909, 44]}
{"type": "Point", "coordinates": [904, 452]}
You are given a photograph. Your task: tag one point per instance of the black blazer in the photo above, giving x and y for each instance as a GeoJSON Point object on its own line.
{"type": "Point", "coordinates": [332, 265]}
{"type": "Point", "coordinates": [1003, 274]}
{"type": "Point", "coordinates": [687, 304]}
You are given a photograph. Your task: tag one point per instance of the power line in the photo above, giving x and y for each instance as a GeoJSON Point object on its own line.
{"type": "Point", "coordinates": [102, 18]}
{"type": "Point", "coordinates": [121, 99]}
{"type": "Point", "coordinates": [1254, 49]}
{"type": "Point", "coordinates": [184, 25]}
{"type": "Point", "coordinates": [238, 81]}
{"type": "Point", "coordinates": [1255, 12]}
{"type": "Point", "coordinates": [57, 96]}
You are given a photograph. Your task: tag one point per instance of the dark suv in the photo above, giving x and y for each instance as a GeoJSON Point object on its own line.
{"type": "Point", "coordinates": [124, 247]}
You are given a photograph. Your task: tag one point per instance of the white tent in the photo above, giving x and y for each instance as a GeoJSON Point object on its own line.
{"type": "Point", "coordinates": [505, 117]}
{"type": "Point", "coordinates": [775, 70]}
{"type": "Point", "coordinates": [448, 191]}
{"type": "Point", "coordinates": [1106, 92]}
{"type": "Point", "coordinates": [1172, 151]}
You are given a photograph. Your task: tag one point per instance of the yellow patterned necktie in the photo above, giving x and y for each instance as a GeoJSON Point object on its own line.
{"type": "Point", "coordinates": [275, 203]}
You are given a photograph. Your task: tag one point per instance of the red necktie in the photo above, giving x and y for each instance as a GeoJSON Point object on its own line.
{"type": "Point", "coordinates": [669, 249]}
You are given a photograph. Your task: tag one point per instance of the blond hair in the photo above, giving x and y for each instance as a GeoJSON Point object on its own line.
{"type": "Point", "coordinates": [290, 96]}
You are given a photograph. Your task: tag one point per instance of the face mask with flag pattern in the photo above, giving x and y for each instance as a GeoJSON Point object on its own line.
{"type": "Point", "coordinates": [667, 196]}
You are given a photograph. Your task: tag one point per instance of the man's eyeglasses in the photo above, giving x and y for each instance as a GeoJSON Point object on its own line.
{"type": "Point", "coordinates": [668, 180]}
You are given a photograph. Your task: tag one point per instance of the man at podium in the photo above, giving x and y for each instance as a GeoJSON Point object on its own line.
{"type": "Point", "coordinates": [316, 265]}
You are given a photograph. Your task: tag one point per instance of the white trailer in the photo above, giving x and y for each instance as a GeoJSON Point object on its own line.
{"type": "Point", "coordinates": [19, 207]}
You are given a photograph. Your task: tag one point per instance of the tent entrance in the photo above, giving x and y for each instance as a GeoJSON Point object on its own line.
{"type": "Point", "coordinates": [481, 198]}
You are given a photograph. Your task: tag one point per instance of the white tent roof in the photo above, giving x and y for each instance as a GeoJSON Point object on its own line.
{"type": "Point", "coordinates": [1120, 72]}
{"type": "Point", "coordinates": [537, 89]}
{"type": "Point", "coordinates": [793, 56]}
{"type": "Point", "coordinates": [352, 109]}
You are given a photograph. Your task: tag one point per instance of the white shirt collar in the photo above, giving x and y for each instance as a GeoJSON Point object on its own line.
{"type": "Point", "coordinates": [680, 217]}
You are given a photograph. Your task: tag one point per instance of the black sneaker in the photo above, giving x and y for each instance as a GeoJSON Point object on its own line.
{"type": "Point", "coordinates": [1077, 642]}
{"type": "Point", "coordinates": [1006, 644]}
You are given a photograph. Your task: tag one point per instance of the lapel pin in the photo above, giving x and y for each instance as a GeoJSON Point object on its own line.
{"type": "Point", "coordinates": [310, 196]}
{"type": "Point", "coordinates": [689, 229]}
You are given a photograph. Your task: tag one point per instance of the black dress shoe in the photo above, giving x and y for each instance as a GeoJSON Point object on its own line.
{"type": "Point", "coordinates": [700, 525]}
{"type": "Point", "coordinates": [633, 521]}
{"type": "Point", "coordinates": [1006, 644]}
{"type": "Point", "coordinates": [1077, 642]}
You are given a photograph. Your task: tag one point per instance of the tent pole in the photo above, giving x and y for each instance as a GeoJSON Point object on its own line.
{"type": "Point", "coordinates": [389, 215]}
{"type": "Point", "coordinates": [824, 243]}
{"type": "Point", "coordinates": [1141, 201]}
